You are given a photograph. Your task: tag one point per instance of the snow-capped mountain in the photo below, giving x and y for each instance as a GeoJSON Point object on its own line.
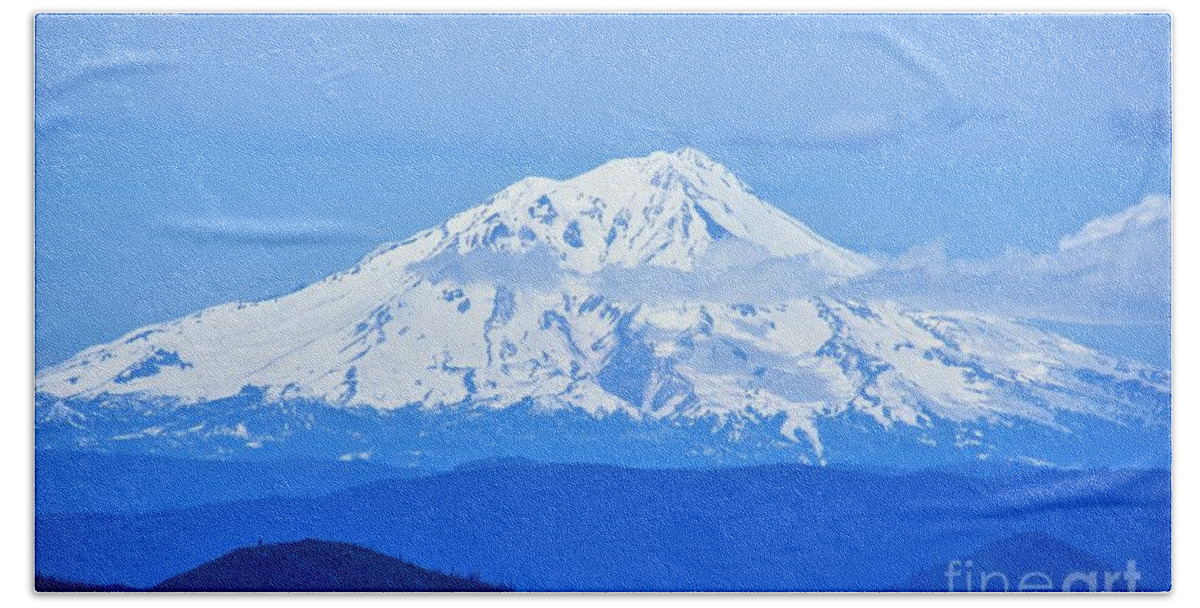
{"type": "Point", "coordinates": [630, 294]}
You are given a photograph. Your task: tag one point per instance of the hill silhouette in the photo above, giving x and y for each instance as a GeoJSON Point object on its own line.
{"type": "Point", "coordinates": [315, 565]}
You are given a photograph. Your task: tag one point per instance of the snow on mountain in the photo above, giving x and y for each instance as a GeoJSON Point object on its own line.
{"type": "Point", "coordinates": [400, 332]}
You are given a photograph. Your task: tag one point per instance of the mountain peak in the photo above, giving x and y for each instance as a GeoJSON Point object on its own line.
{"type": "Point", "coordinates": [686, 158]}
{"type": "Point", "coordinates": [693, 155]}
{"type": "Point", "coordinates": [663, 209]}
{"type": "Point", "coordinates": [688, 167]}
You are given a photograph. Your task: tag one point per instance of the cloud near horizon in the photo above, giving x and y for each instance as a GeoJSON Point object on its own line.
{"type": "Point", "coordinates": [1114, 270]}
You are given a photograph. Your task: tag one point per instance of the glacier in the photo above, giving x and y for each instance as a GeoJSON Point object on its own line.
{"type": "Point", "coordinates": [622, 316]}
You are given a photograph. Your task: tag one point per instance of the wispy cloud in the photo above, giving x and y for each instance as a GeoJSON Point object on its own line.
{"type": "Point", "coordinates": [536, 269]}
{"type": "Point", "coordinates": [260, 231]}
{"type": "Point", "coordinates": [774, 278]}
{"type": "Point", "coordinates": [102, 71]}
{"type": "Point", "coordinates": [904, 52]}
{"type": "Point", "coordinates": [1150, 211]}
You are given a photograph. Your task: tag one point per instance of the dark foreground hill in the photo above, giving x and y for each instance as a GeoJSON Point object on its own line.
{"type": "Point", "coordinates": [52, 584]}
{"type": "Point", "coordinates": [314, 565]}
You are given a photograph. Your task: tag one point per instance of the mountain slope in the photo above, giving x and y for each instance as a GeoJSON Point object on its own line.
{"type": "Point", "coordinates": [658, 290]}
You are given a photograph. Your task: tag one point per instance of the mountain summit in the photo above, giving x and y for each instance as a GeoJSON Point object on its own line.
{"type": "Point", "coordinates": [624, 308]}
{"type": "Point", "coordinates": [666, 209]}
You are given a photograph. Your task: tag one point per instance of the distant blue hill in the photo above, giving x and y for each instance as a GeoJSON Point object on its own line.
{"type": "Point", "coordinates": [597, 527]}
{"type": "Point", "coordinates": [77, 481]}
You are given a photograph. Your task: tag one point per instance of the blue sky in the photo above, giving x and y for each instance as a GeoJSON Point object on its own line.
{"type": "Point", "coordinates": [185, 161]}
